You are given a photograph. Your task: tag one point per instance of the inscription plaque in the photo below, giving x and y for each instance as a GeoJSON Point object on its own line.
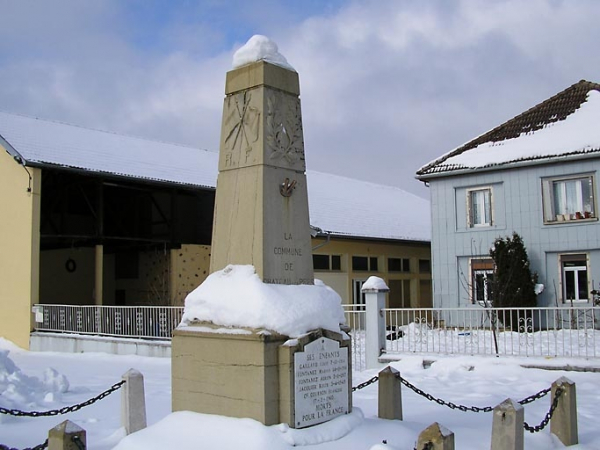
{"type": "Point", "coordinates": [320, 382]}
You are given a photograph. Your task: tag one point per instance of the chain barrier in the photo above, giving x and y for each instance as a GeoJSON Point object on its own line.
{"type": "Point", "coordinates": [375, 379]}
{"type": "Point", "coordinates": [37, 447]}
{"type": "Point", "coordinates": [549, 414]}
{"type": "Point", "coordinates": [476, 409]}
{"type": "Point", "coordinates": [56, 412]}
{"type": "Point", "coordinates": [65, 410]}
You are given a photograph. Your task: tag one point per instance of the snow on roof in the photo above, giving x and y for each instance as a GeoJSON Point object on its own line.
{"type": "Point", "coordinates": [53, 143]}
{"type": "Point", "coordinates": [337, 204]}
{"type": "Point", "coordinates": [344, 206]}
{"type": "Point", "coordinates": [259, 48]}
{"type": "Point", "coordinates": [564, 125]}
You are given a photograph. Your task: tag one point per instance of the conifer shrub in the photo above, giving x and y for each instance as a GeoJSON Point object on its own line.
{"type": "Point", "coordinates": [514, 283]}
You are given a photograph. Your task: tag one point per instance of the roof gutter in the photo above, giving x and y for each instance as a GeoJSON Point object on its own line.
{"type": "Point", "coordinates": [17, 157]}
{"type": "Point", "coordinates": [514, 165]}
{"type": "Point", "coordinates": [114, 176]}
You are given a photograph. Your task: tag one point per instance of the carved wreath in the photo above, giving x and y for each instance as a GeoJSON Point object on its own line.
{"type": "Point", "coordinates": [284, 129]}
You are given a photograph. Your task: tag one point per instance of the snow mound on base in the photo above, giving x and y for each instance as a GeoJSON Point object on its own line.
{"type": "Point", "coordinates": [22, 392]}
{"type": "Point", "coordinates": [260, 48]}
{"type": "Point", "coordinates": [236, 297]}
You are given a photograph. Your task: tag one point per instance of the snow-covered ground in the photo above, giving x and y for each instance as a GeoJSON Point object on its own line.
{"type": "Point", "coordinates": [478, 381]}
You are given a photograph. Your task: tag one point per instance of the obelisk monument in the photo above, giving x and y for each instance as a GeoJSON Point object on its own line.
{"type": "Point", "coordinates": [261, 210]}
{"type": "Point", "coordinates": [232, 354]}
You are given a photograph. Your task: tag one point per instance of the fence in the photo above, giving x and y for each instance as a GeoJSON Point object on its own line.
{"type": "Point", "coordinates": [544, 332]}
{"type": "Point", "coordinates": [149, 322]}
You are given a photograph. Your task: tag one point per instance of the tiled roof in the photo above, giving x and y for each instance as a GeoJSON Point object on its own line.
{"type": "Point", "coordinates": [338, 205]}
{"type": "Point", "coordinates": [551, 111]}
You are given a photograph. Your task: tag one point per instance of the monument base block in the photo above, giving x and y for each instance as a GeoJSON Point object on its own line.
{"type": "Point", "coordinates": [250, 373]}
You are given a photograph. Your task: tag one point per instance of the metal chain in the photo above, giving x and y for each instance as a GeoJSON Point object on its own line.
{"type": "Point", "coordinates": [375, 379]}
{"type": "Point", "coordinates": [463, 408]}
{"type": "Point", "coordinates": [65, 410]}
{"type": "Point", "coordinates": [37, 447]}
{"type": "Point", "coordinates": [439, 401]}
{"type": "Point", "coordinates": [549, 414]}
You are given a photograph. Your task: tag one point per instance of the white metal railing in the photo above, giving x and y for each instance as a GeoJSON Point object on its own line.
{"type": "Point", "coordinates": [542, 332]}
{"type": "Point", "coordinates": [355, 320]}
{"type": "Point", "coordinates": [150, 322]}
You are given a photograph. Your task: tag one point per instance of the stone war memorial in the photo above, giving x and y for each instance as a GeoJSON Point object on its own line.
{"type": "Point", "coordinates": [260, 338]}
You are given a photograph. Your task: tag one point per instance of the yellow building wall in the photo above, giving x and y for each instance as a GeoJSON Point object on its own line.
{"type": "Point", "coordinates": [342, 281]}
{"type": "Point", "coordinates": [19, 248]}
{"type": "Point", "coordinates": [189, 268]}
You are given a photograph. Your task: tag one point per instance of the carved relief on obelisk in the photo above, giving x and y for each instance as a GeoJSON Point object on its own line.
{"type": "Point", "coordinates": [284, 137]}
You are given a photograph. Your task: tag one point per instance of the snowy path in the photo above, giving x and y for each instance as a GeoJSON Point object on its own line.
{"type": "Point", "coordinates": [466, 380]}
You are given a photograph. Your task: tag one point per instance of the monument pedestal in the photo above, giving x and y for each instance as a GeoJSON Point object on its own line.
{"type": "Point", "coordinates": [253, 374]}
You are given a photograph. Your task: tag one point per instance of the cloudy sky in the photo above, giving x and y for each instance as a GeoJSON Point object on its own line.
{"type": "Point", "coordinates": [386, 86]}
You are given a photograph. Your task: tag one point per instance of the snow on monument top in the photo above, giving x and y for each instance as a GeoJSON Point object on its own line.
{"type": "Point", "coordinates": [260, 48]}
{"type": "Point", "coordinates": [237, 297]}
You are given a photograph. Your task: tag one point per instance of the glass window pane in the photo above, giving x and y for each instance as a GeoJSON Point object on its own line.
{"type": "Point", "coordinates": [582, 285]}
{"type": "Point", "coordinates": [394, 265]}
{"type": "Point", "coordinates": [373, 264]}
{"type": "Point", "coordinates": [336, 262]}
{"type": "Point", "coordinates": [360, 263]}
{"type": "Point", "coordinates": [570, 285]}
{"type": "Point", "coordinates": [321, 262]}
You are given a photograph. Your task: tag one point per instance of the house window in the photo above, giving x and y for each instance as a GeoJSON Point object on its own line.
{"type": "Point", "coordinates": [365, 263]}
{"type": "Point", "coordinates": [399, 295]}
{"type": "Point", "coordinates": [327, 262]}
{"type": "Point", "coordinates": [479, 205]}
{"type": "Point", "coordinates": [424, 266]}
{"type": "Point", "coordinates": [398, 265]}
{"type": "Point", "coordinates": [482, 277]}
{"type": "Point", "coordinates": [568, 199]}
{"type": "Point", "coordinates": [574, 277]}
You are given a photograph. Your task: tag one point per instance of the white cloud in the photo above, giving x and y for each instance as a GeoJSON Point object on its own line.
{"type": "Point", "coordinates": [386, 85]}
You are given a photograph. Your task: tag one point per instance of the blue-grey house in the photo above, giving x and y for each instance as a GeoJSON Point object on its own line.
{"type": "Point", "coordinates": [537, 175]}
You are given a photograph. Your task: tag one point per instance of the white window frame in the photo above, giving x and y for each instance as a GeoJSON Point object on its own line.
{"type": "Point", "coordinates": [474, 270]}
{"type": "Point", "coordinates": [488, 213]}
{"type": "Point", "coordinates": [585, 209]}
{"type": "Point", "coordinates": [567, 257]}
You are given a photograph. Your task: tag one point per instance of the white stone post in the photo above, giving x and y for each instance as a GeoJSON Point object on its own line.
{"type": "Point", "coordinates": [374, 289]}
{"type": "Point", "coordinates": [436, 437]}
{"type": "Point", "coordinates": [133, 402]}
{"type": "Point", "coordinates": [507, 426]}
{"type": "Point", "coordinates": [564, 420]}
{"type": "Point", "coordinates": [390, 394]}
{"type": "Point", "coordinates": [66, 436]}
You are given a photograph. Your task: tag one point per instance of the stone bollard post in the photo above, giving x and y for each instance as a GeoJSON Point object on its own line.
{"type": "Point", "coordinates": [564, 420]}
{"type": "Point", "coordinates": [133, 402]}
{"type": "Point", "coordinates": [67, 436]}
{"type": "Point", "coordinates": [390, 394]}
{"type": "Point", "coordinates": [374, 289]}
{"type": "Point", "coordinates": [435, 437]}
{"type": "Point", "coordinates": [507, 426]}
